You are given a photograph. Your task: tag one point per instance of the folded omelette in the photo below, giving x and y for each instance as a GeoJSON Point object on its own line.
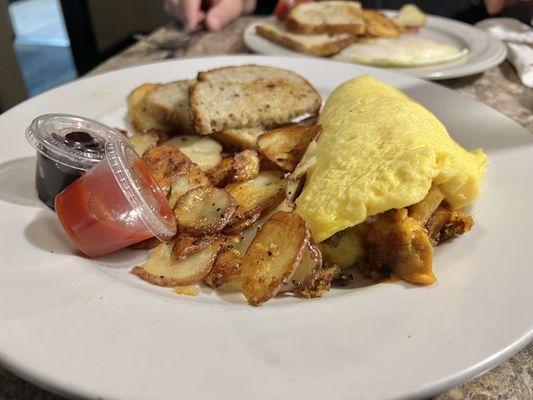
{"type": "Point", "coordinates": [381, 151]}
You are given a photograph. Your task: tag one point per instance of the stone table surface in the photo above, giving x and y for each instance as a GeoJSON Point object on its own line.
{"type": "Point", "coordinates": [498, 87]}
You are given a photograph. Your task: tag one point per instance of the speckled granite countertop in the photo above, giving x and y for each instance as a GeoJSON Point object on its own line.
{"type": "Point", "coordinates": [498, 87]}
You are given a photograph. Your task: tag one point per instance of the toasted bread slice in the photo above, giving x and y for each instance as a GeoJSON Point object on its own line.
{"type": "Point", "coordinates": [320, 45]}
{"type": "Point", "coordinates": [249, 95]}
{"type": "Point", "coordinates": [332, 17]}
{"type": "Point", "coordinates": [377, 24]}
{"type": "Point", "coordinates": [169, 103]}
{"type": "Point", "coordinates": [140, 118]}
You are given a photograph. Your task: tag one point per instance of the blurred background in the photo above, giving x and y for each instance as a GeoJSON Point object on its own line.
{"type": "Point", "coordinates": [45, 43]}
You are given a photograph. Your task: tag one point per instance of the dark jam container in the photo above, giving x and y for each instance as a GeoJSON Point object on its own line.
{"type": "Point", "coordinates": [67, 146]}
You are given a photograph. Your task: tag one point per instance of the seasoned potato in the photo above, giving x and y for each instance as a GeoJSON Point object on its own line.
{"type": "Point", "coordinates": [185, 245]}
{"type": "Point", "coordinates": [285, 146]}
{"type": "Point", "coordinates": [226, 266]}
{"type": "Point", "coordinates": [274, 254]}
{"type": "Point", "coordinates": [141, 120]}
{"type": "Point", "coordinates": [201, 150]}
{"type": "Point", "coordinates": [166, 164]}
{"type": "Point", "coordinates": [245, 166]}
{"type": "Point", "coordinates": [311, 262]}
{"type": "Point", "coordinates": [163, 270]}
{"type": "Point", "coordinates": [143, 142]}
{"type": "Point", "coordinates": [343, 249]}
{"type": "Point", "coordinates": [222, 174]}
{"type": "Point", "coordinates": [239, 139]}
{"type": "Point", "coordinates": [146, 244]}
{"type": "Point", "coordinates": [191, 178]}
{"type": "Point", "coordinates": [204, 211]}
{"type": "Point", "coordinates": [256, 197]}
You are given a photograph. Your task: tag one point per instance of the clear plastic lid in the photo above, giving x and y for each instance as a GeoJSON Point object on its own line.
{"type": "Point", "coordinates": [141, 189]}
{"type": "Point", "coordinates": [70, 140]}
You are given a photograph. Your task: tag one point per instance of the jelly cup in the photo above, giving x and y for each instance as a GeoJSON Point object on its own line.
{"type": "Point", "coordinates": [115, 204]}
{"type": "Point", "coordinates": [67, 146]}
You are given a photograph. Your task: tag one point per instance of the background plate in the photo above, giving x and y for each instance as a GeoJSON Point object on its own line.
{"type": "Point", "coordinates": [485, 51]}
{"type": "Point", "coordinates": [89, 328]}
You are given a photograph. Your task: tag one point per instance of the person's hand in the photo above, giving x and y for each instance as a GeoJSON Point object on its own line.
{"type": "Point", "coordinates": [495, 6]}
{"type": "Point", "coordinates": [214, 14]}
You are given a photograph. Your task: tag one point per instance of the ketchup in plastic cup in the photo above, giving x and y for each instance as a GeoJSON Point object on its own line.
{"type": "Point", "coordinates": [285, 6]}
{"type": "Point", "coordinates": [115, 204]}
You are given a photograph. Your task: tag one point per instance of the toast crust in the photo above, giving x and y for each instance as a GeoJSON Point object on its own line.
{"type": "Point", "coordinates": [318, 50]}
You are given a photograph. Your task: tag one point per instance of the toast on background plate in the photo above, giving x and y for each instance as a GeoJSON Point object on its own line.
{"type": "Point", "coordinates": [331, 17]}
{"type": "Point", "coordinates": [320, 45]}
{"type": "Point", "coordinates": [250, 95]}
{"type": "Point", "coordinates": [377, 24]}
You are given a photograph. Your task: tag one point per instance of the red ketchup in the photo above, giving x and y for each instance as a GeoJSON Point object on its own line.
{"type": "Point", "coordinates": [285, 6]}
{"type": "Point", "coordinates": [115, 204]}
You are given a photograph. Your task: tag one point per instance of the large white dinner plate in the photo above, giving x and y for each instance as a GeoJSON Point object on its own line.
{"type": "Point", "coordinates": [89, 328]}
{"type": "Point", "coordinates": [484, 50]}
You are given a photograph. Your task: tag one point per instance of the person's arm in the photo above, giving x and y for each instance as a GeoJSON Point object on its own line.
{"type": "Point", "coordinates": [495, 6]}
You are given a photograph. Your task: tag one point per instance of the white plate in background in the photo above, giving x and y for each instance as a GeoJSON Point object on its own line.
{"type": "Point", "coordinates": [88, 328]}
{"type": "Point", "coordinates": [484, 50]}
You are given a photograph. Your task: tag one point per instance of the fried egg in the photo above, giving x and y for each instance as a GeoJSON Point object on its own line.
{"type": "Point", "coordinates": [405, 51]}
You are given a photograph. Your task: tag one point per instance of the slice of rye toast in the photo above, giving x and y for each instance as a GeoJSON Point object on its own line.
{"type": "Point", "coordinates": [169, 103]}
{"type": "Point", "coordinates": [319, 45]}
{"type": "Point", "coordinates": [331, 17]}
{"type": "Point", "coordinates": [250, 95]}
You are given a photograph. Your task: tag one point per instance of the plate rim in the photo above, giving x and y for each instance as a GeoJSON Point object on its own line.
{"type": "Point", "coordinates": [436, 387]}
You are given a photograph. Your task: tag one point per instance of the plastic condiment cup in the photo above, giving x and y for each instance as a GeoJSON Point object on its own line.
{"type": "Point", "coordinates": [115, 204]}
{"type": "Point", "coordinates": [67, 146]}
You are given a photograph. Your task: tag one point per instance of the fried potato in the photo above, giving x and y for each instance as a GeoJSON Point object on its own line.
{"type": "Point", "coordinates": [189, 290]}
{"type": "Point", "coordinates": [141, 120]}
{"type": "Point", "coordinates": [185, 245]}
{"type": "Point", "coordinates": [191, 178]}
{"type": "Point", "coordinates": [319, 283]}
{"type": "Point", "coordinates": [143, 142]}
{"type": "Point", "coordinates": [204, 211]}
{"type": "Point", "coordinates": [146, 244]}
{"type": "Point", "coordinates": [245, 166]}
{"type": "Point", "coordinates": [163, 270]}
{"type": "Point", "coordinates": [201, 150]}
{"type": "Point", "coordinates": [311, 262]}
{"type": "Point", "coordinates": [166, 164]}
{"type": "Point", "coordinates": [256, 197]}
{"type": "Point", "coordinates": [377, 24]}
{"type": "Point", "coordinates": [293, 188]}
{"type": "Point", "coordinates": [222, 174]}
{"type": "Point", "coordinates": [273, 256]}
{"type": "Point", "coordinates": [424, 209]}
{"type": "Point", "coordinates": [343, 249]}
{"type": "Point", "coordinates": [307, 161]}
{"type": "Point", "coordinates": [284, 147]}
{"type": "Point", "coordinates": [226, 266]}
{"type": "Point", "coordinates": [239, 139]}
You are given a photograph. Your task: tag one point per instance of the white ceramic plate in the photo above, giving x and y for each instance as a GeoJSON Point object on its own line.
{"type": "Point", "coordinates": [484, 51]}
{"type": "Point", "coordinates": [89, 328]}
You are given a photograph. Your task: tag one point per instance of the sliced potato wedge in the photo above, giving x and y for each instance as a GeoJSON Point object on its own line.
{"type": "Point", "coordinates": [274, 254]}
{"type": "Point", "coordinates": [239, 139]}
{"type": "Point", "coordinates": [141, 120]}
{"type": "Point", "coordinates": [311, 262]}
{"type": "Point", "coordinates": [285, 146]}
{"type": "Point", "coordinates": [201, 150]}
{"type": "Point", "coordinates": [185, 245]}
{"type": "Point", "coordinates": [163, 270]}
{"type": "Point", "coordinates": [146, 244]}
{"type": "Point", "coordinates": [245, 166]}
{"type": "Point", "coordinates": [191, 178]}
{"type": "Point", "coordinates": [204, 211]}
{"type": "Point", "coordinates": [222, 174]}
{"type": "Point", "coordinates": [256, 197]}
{"type": "Point", "coordinates": [226, 266]}
{"type": "Point", "coordinates": [166, 164]}
{"type": "Point", "coordinates": [143, 142]}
